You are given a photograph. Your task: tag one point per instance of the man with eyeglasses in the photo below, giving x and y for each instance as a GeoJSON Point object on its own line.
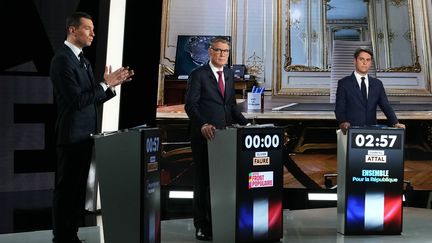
{"type": "Point", "coordinates": [210, 104]}
{"type": "Point", "coordinates": [359, 94]}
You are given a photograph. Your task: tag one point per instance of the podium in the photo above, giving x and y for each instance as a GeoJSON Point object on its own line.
{"type": "Point", "coordinates": [246, 184]}
{"type": "Point", "coordinates": [370, 163]}
{"type": "Point", "coordinates": [128, 173]}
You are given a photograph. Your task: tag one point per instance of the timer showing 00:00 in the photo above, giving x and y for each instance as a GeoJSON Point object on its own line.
{"type": "Point", "coordinates": [261, 141]}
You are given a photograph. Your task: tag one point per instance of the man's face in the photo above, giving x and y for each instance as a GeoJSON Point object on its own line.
{"type": "Point", "coordinates": [363, 63]}
{"type": "Point", "coordinates": [219, 54]}
{"type": "Point", "coordinates": [84, 34]}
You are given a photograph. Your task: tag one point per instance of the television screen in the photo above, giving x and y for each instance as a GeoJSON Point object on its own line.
{"type": "Point", "coordinates": [192, 52]}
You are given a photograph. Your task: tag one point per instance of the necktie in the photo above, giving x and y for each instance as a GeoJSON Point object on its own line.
{"type": "Point", "coordinates": [363, 88]}
{"type": "Point", "coordinates": [82, 60]}
{"type": "Point", "coordinates": [86, 65]}
{"type": "Point", "coordinates": [220, 82]}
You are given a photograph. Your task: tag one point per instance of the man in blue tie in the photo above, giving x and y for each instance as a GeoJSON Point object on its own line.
{"type": "Point", "coordinates": [359, 94]}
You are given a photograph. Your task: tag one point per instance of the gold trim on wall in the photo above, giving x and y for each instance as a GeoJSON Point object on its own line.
{"type": "Point", "coordinates": [426, 45]}
{"type": "Point", "coordinates": [279, 68]}
{"type": "Point", "coordinates": [422, 41]}
{"type": "Point", "coordinates": [303, 68]}
{"type": "Point", "coordinates": [234, 12]}
{"type": "Point", "coordinates": [288, 66]}
{"type": "Point", "coordinates": [416, 67]}
{"type": "Point", "coordinates": [407, 92]}
{"type": "Point", "coordinates": [244, 34]}
{"type": "Point", "coordinates": [397, 3]}
{"type": "Point", "coordinates": [165, 31]}
{"type": "Point", "coordinates": [277, 43]}
{"type": "Point", "coordinates": [303, 92]}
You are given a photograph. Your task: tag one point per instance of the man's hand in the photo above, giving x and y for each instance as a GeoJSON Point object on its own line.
{"type": "Point", "coordinates": [119, 76]}
{"type": "Point", "coordinates": [399, 125]}
{"type": "Point", "coordinates": [344, 127]}
{"type": "Point", "coordinates": [207, 130]}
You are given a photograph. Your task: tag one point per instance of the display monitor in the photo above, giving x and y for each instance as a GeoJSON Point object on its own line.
{"type": "Point", "coordinates": [192, 52]}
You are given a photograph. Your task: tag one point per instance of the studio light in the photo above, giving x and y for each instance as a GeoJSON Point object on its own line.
{"type": "Point", "coordinates": [181, 194]}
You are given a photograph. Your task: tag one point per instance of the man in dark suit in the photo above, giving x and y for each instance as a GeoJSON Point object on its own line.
{"type": "Point", "coordinates": [77, 94]}
{"type": "Point", "coordinates": [359, 94]}
{"type": "Point", "coordinates": [210, 104]}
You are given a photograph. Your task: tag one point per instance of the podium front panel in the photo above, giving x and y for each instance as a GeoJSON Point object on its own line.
{"type": "Point", "coordinates": [374, 181]}
{"type": "Point", "coordinates": [128, 173]}
{"type": "Point", "coordinates": [150, 189]}
{"type": "Point", "coordinates": [246, 183]}
{"type": "Point", "coordinates": [259, 185]}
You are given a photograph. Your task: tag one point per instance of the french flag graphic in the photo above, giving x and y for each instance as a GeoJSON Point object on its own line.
{"type": "Point", "coordinates": [153, 234]}
{"type": "Point", "coordinates": [374, 211]}
{"type": "Point", "coordinates": [260, 219]}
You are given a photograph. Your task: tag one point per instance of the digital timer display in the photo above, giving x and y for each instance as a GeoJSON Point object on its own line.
{"type": "Point", "coordinates": [261, 141]}
{"type": "Point", "coordinates": [371, 140]}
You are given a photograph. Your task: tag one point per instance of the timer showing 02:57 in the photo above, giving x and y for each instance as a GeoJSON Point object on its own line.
{"type": "Point", "coordinates": [387, 141]}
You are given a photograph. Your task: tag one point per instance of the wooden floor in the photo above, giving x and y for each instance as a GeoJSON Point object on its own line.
{"type": "Point", "coordinates": [316, 165]}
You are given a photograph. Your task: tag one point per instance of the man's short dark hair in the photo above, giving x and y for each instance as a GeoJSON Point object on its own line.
{"type": "Point", "coordinates": [222, 39]}
{"type": "Point", "coordinates": [362, 49]}
{"type": "Point", "coordinates": [75, 19]}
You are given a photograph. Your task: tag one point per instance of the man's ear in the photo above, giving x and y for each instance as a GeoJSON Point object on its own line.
{"type": "Point", "coordinates": [72, 29]}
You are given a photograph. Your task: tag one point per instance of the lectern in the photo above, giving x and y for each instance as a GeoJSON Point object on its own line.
{"type": "Point", "coordinates": [370, 164]}
{"type": "Point", "coordinates": [246, 183]}
{"type": "Point", "coordinates": [127, 166]}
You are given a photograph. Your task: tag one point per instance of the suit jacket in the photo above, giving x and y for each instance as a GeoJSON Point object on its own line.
{"type": "Point", "coordinates": [204, 102]}
{"type": "Point", "coordinates": [77, 96]}
{"type": "Point", "coordinates": [352, 108]}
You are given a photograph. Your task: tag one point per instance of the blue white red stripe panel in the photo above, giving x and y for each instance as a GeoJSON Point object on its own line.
{"type": "Point", "coordinates": [374, 211]}
{"type": "Point", "coordinates": [260, 219]}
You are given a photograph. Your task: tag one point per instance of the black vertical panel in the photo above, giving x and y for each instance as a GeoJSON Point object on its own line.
{"type": "Point", "coordinates": [141, 52]}
{"type": "Point", "coordinates": [33, 161]}
{"type": "Point", "coordinates": [24, 38]}
{"type": "Point", "coordinates": [31, 30]}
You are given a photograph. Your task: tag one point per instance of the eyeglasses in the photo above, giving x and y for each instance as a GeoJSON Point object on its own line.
{"type": "Point", "coordinates": [362, 59]}
{"type": "Point", "coordinates": [219, 51]}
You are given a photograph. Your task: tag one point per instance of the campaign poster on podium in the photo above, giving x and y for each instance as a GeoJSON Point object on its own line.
{"type": "Point", "coordinates": [259, 185]}
{"type": "Point", "coordinates": [374, 181]}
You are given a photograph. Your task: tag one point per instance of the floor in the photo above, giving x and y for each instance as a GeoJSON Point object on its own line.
{"type": "Point", "coordinates": [311, 225]}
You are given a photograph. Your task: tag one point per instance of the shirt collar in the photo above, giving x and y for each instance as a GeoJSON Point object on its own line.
{"type": "Point", "coordinates": [74, 48]}
{"type": "Point", "coordinates": [215, 70]}
{"type": "Point", "coordinates": [358, 77]}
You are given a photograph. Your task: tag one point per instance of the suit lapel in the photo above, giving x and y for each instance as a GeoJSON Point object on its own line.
{"type": "Point", "coordinates": [88, 72]}
{"type": "Point", "coordinates": [228, 83]}
{"type": "Point", "coordinates": [372, 91]}
{"type": "Point", "coordinates": [214, 81]}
